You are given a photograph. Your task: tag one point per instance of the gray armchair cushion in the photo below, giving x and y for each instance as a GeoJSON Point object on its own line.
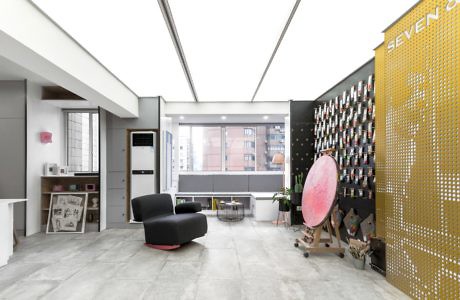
{"type": "Point", "coordinates": [188, 207]}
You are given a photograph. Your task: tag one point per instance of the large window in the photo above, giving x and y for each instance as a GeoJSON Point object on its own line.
{"type": "Point", "coordinates": [82, 141]}
{"type": "Point", "coordinates": [200, 148]}
{"type": "Point", "coordinates": [230, 148]}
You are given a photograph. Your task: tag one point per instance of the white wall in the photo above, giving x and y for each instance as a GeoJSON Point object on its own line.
{"type": "Point", "coordinates": [40, 117]}
{"type": "Point", "coordinates": [103, 168]}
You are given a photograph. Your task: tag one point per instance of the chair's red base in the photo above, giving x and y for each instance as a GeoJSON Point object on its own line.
{"type": "Point", "coordinates": [163, 247]}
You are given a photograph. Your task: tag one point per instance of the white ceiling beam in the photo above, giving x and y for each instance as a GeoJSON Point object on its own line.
{"type": "Point", "coordinates": [33, 41]}
{"type": "Point", "coordinates": [169, 19]}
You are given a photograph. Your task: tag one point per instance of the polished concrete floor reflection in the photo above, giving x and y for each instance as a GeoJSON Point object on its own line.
{"type": "Point", "coordinates": [245, 260]}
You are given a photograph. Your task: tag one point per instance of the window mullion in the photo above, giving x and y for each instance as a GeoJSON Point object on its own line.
{"type": "Point", "coordinates": [90, 147]}
{"type": "Point", "coordinates": [223, 151]}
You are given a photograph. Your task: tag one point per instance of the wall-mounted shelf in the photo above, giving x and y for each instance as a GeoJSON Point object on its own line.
{"type": "Point", "coordinates": [49, 183]}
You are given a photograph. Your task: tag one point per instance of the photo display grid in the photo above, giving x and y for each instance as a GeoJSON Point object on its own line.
{"type": "Point", "coordinates": [346, 124]}
{"type": "Point", "coordinates": [67, 213]}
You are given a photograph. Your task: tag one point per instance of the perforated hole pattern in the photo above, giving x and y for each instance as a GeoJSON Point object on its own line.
{"type": "Point", "coordinates": [417, 161]}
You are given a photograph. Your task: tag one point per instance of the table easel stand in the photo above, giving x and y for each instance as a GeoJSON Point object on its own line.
{"type": "Point", "coordinates": [315, 246]}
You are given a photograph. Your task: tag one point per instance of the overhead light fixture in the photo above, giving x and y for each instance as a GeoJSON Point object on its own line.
{"type": "Point", "coordinates": [223, 118]}
{"type": "Point", "coordinates": [265, 117]}
{"type": "Point", "coordinates": [181, 117]}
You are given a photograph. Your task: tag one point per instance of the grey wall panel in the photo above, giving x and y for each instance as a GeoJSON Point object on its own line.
{"type": "Point", "coordinates": [13, 146]}
{"type": "Point", "coordinates": [116, 150]}
{"type": "Point", "coordinates": [115, 214]}
{"type": "Point", "coordinates": [265, 183]}
{"type": "Point", "coordinates": [230, 183]}
{"type": "Point", "coordinates": [117, 155]}
{"type": "Point", "coordinates": [12, 158]}
{"type": "Point", "coordinates": [116, 180]}
{"type": "Point", "coordinates": [12, 100]}
{"type": "Point", "coordinates": [195, 183]}
{"type": "Point", "coordinates": [116, 197]}
{"type": "Point", "coordinates": [149, 116]}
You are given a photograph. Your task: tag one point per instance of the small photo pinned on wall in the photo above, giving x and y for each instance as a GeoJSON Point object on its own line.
{"type": "Point", "coordinates": [63, 170]}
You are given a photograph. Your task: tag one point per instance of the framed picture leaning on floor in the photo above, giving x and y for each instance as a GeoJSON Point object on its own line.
{"type": "Point", "coordinates": [67, 213]}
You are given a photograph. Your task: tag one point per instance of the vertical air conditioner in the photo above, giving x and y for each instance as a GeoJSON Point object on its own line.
{"type": "Point", "coordinates": [143, 164]}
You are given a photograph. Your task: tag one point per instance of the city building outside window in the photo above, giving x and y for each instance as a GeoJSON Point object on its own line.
{"type": "Point", "coordinates": [200, 148]}
{"type": "Point", "coordinates": [82, 141]}
{"type": "Point", "coordinates": [248, 131]}
{"type": "Point", "coordinates": [230, 148]}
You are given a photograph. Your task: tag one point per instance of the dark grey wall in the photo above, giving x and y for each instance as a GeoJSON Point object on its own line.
{"type": "Point", "coordinates": [13, 145]}
{"type": "Point", "coordinates": [149, 118]}
{"type": "Point", "coordinates": [363, 207]}
{"type": "Point", "coordinates": [302, 142]}
{"type": "Point", "coordinates": [230, 183]}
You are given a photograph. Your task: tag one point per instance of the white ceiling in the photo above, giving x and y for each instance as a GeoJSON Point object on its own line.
{"type": "Point", "coordinates": [228, 43]}
{"type": "Point", "coordinates": [327, 40]}
{"type": "Point", "coordinates": [11, 71]}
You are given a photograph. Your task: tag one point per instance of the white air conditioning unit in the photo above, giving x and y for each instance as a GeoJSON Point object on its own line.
{"type": "Point", "coordinates": [143, 164]}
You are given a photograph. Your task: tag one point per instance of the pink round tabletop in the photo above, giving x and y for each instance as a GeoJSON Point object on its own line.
{"type": "Point", "coordinates": [319, 192]}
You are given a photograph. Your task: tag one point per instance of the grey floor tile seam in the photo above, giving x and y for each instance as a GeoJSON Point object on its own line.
{"type": "Point", "coordinates": [256, 233]}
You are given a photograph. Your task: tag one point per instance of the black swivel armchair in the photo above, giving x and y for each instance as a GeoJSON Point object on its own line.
{"type": "Point", "coordinates": [163, 229]}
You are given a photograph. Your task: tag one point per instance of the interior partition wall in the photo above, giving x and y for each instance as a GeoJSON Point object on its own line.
{"type": "Point", "coordinates": [302, 151]}
{"type": "Point", "coordinates": [419, 178]}
{"type": "Point", "coordinates": [117, 157]}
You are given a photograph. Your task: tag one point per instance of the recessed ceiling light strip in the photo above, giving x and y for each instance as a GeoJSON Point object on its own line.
{"type": "Point", "coordinates": [166, 10]}
{"type": "Point", "coordinates": [283, 33]}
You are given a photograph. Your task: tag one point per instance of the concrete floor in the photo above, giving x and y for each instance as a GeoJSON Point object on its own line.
{"type": "Point", "coordinates": [245, 260]}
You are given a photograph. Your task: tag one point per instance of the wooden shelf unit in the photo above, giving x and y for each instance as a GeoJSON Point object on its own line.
{"type": "Point", "coordinates": [47, 183]}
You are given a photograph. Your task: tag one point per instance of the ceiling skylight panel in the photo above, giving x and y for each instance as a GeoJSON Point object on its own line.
{"type": "Point", "coordinates": [228, 43]}
{"type": "Point", "coordinates": [326, 41]}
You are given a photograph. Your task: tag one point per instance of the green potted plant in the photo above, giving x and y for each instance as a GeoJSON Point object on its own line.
{"type": "Point", "coordinates": [298, 189]}
{"type": "Point", "coordinates": [284, 199]}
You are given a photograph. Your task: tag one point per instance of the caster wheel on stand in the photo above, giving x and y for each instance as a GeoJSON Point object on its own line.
{"type": "Point", "coordinates": [327, 245]}
{"type": "Point", "coordinates": [306, 254]}
{"type": "Point", "coordinates": [341, 255]}
{"type": "Point", "coordinates": [296, 244]}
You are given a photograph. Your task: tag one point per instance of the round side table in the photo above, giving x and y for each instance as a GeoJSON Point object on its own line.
{"type": "Point", "coordinates": [230, 211]}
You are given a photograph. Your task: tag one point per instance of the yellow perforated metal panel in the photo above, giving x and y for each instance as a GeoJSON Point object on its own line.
{"type": "Point", "coordinates": [421, 176]}
{"type": "Point", "coordinates": [380, 151]}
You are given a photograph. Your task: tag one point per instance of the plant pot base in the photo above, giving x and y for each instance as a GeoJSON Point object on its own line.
{"type": "Point", "coordinates": [359, 264]}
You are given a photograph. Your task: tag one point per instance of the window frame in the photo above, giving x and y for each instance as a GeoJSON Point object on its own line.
{"type": "Point", "coordinates": [91, 137]}
{"type": "Point", "coordinates": [223, 170]}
